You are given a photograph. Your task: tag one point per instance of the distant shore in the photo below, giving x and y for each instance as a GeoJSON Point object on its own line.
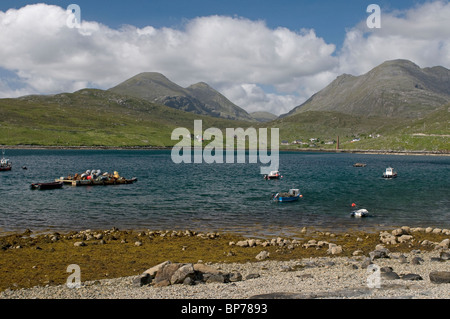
{"type": "Point", "coordinates": [308, 150]}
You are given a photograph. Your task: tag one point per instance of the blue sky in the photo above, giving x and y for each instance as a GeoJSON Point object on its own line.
{"type": "Point", "coordinates": [262, 55]}
{"type": "Point", "coordinates": [328, 18]}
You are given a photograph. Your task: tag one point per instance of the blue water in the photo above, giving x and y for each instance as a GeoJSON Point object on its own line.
{"type": "Point", "coordinates": [223, 197]}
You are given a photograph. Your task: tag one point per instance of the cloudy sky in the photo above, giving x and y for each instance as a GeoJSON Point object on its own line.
{"type": "Point", "coordinates": [262, 55]}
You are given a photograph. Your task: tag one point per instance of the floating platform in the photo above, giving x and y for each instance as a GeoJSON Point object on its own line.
{"type": "Point", "coordinates": [90, 182]}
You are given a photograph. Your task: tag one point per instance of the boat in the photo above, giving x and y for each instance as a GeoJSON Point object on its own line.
{"type": "Point", "coordinates": [291, 196]}
{"type": "Point", "coordinates": [272, 175]}
{"type": "Point", "coordinates": [359, 165]}
{"type": "Point", "coordinates": [45, 186]}
{"type": "Point", "coordinates": [5, 164]}
{"type": "Point", "coordinates": [360, 213]}
{"type": "Point", "coordinates": [94, 178]}
{"type": "Point", "coordinates": [390, 173]}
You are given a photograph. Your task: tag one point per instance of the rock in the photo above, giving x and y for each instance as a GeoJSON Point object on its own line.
{"type": "Point", "coordinates": [138, 243]}
{"type": "Point", "coordinates": [204, 269]}
{"type": "Point", "coordinates": [416, 261]}
{"type": "Point", "coordinates": [381, 253]}
{"type": "Point", "coordinates": [182, 273]}
{"type": "Point", "coordinates": [242, 243]}
{"type": "Point", "coordinates": [209, 278]}
{"type": "Point", "coordinates": [334, 249]}
{"type": "Point", "coordinates": [166, 273]}
{"type": "Point", "coordinates": [79, 244]}
{"type": "Point", "coordinates": [428, 230]}
{"type": "Point", "coordinates": [357, 253]}
{"type": "Point", "coordinates": [142, 280]}
{"type": "Point", "coordinates": [436, 231]}
{"type": "Point", "coordinates": [390, 275]}
{"type": "Point", "coordinates": [440, 277]}
{"type": "Point", "coordinates": [404, 238]}
{"type": "Point", "coordinates": [444, 244]}
{"type": "Point", "coordinates": [251, 243]}
{"type": "Point", "coordinates": [397, 232]}
{"type": "Point", "coordinates": [152, 271]}
{"type": "Point", "coordinates": [235, 276]}
{"type": "Point", "coordinates": [262, 255]}
{"type": "Point", "coordinates": [252, 276]}
{"type": "Point", "coordinates": [366, 262]}
{"type": "Point", "coordinates": [445, 255]}
{"type": "Point", "coordinates": [411, 277]}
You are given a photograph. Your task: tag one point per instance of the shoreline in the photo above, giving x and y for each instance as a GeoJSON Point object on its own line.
{"type": "Point", "coordinates": [149, 148]}
{"type": "Point", "coordinates": [111, 261]}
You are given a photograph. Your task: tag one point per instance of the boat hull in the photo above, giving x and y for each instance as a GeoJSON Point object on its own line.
{"type": "Point", "coordinates": [4, 169]}
{"type": "Point", "coordinates": [46, 186]}
{"type": "Point", "coordinates": [91, 182]}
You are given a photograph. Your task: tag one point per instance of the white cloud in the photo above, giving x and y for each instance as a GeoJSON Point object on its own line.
{"type": "Point", "coordinates": [420, 34]}
{"type": "Point", "coordinates": [237, 56]}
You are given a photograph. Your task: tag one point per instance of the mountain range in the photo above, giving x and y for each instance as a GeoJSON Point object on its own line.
{"type": "Point", "coordinates": [405, 105]}
{"type": "Point", "coordinates": [394, 89]}
{"type": "Point", "coordinates": [199, 98]}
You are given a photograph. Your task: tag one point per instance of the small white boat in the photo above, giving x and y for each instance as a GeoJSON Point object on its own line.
{"type": "Point", "coordinates": [272, 175]}
{"type": "Point", "coordinates": [390, 173]}
{"type": "Point", "coordinates": [360, 213]}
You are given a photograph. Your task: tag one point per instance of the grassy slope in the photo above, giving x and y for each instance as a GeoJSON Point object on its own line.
{"type": "Point", "coordinates": [93, 118]}
{"type": "Point", "coordinates": [102, 118]}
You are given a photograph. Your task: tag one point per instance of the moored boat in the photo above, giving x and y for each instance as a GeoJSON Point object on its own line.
{"type": "Point", "coordinates": [45, 186]}
{"type": "Point", "coordinates": [291, 196]}
{"type": "Point", "coordinates": [390, 173]}
{"type": "Point", "coordinates": [5, 164]}
{"type": "Point", "coordinates": [272, 175]}
{"type": "Point", "coordinates": [360, 213]}
{"type": "Point", "coordinates": [359, 165]}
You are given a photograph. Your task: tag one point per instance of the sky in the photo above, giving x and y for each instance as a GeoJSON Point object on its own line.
{"type": "Point", "coordinates": [262, 55]}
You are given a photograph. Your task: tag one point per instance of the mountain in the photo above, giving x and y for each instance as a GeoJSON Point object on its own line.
{"type": "Point", "coordinates": [198, 98]}
{"type": "Point", "coordinates": [263, 116]}
{"type": "Point", "coordinates": [92, 117]}
{"type": "Point", "coordinates": [394, 89]}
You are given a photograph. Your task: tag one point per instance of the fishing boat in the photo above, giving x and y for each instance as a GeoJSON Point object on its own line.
{"type": "Point", "coordinates": [5, 164]}
{"type": "Point", "coordinates": [291, 196]}
{"type": "Point", "coordinates": [272, 175]}
{"type": "Point", "coordinates": [45, 186]}
{"type": "Point", "coordinates": [390, 173]}
{"type": "Point", "coordinates": [360, 213]}
{"type": "Point", "coordinates": [359, 165]}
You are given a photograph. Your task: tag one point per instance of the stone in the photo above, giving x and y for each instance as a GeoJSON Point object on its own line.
{"type": "Point", "coordinates": [235, 276]}
{"type": "Point", "coordinates": [411, 277]}
{"type": "Point", "coordinates": [79, 244]}
{"type": "Point", "coordinates": [416, 261]}
{"type": "Point", "coordinates": [202, 268]}
{"type": "Point", "coordinates": [138, 243]}
{"type": "Point", "coordinates": [397, 232]}
{"type": "Point", "coordinates": [251, 243]}
{"type": "Point", "coordinates": [334, 249]}
{"type": "Point", "coordinates": [404, 238]}
{"type": "Point", "coordinates": [242, 243]}
{"type": "Point", "coordinates": [262, 255]}
{"type": "Point", "coordinates": [437, 231]}
{"type": "Point", "coordinates": [182, 273]}
{"type": "Point", "coordinates": [252, 276]}
{"type": "Point", "coordinates": [209, 278]}
{"type": "Point", "coordinates": [445, 243]}
{"type": "Point", "coordinates": [381, 253]}
{"type": "Point", "coordinates": [445, 255]}
{"type": "Point", "coordinates": [390, 275]}
{"type": "Point", "coordinates": [166, 273]}
{"type": "Point", "coordinates": [440, 277]}
{"type": "Point", "coordinates": [152, 271]}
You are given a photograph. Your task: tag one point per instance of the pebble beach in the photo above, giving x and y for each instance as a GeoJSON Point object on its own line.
{"type": "Point", "coordinates": [402, 263]}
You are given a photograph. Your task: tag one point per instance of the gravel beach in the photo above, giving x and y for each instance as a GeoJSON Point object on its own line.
{"type": "Point", "coordinates": [317, 278]}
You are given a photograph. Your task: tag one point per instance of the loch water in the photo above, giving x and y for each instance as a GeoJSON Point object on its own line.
{"type": "Point", "coordinates": [223, 197]}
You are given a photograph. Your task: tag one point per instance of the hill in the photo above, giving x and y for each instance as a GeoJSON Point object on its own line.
{"type": "Point", "coordinates": [198, 98]}
{"type": "Point", "coordinates": [92, 117]}
{"type": "Point", "coordinates": [263, 116]}
{"type": "Point", "coordinates": [394, 89]}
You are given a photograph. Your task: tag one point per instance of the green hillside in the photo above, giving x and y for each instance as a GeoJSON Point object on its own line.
{"type": "Point", "coordinates": [94, 118]}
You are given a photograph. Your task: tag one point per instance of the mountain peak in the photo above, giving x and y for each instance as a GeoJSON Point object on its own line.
{"type": "Point", "coordinates": [396, 88]}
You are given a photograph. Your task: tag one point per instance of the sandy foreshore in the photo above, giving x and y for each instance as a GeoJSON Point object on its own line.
{"type": "Point", "coordinates": [393, 263]}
